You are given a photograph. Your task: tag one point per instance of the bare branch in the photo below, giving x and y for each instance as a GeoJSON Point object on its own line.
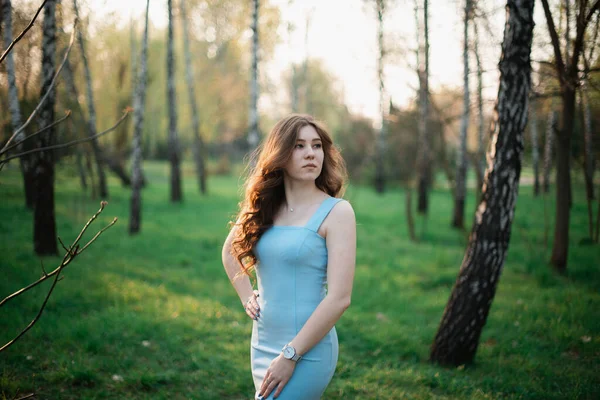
{"type": "Point", "coordinates": [39, 314]}
{"type": "Point", "coordinates": [68, 144]}
{"type": "Point", "coordinates": [10, 46]}
{"type": "Point", "coordinates": [6, 150]}
{"type": "Point", "coordinates": [43, 100]}
{"type": "Point", "coordinates": [560, 65]}
{"type": "Point", "coordinates": [67, 258]}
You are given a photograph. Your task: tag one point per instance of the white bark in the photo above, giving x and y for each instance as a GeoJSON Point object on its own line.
{"type": "Point", "coordinates": [253, 136]}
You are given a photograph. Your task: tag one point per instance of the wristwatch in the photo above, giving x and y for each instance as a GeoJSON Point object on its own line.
{"type": "Point", "coordinates": [289, 353]}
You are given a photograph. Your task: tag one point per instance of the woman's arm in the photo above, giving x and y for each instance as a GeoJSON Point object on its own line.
{"type": "Point", "coordinates": [341, 253]}
{"type": "Point", "coordinates": [242, 284]}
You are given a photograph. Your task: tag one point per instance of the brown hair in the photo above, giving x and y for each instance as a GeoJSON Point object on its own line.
{"type": "Point", "coordinates": [264, 191]}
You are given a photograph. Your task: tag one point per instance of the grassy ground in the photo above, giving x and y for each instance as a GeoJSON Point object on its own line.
{"type": "Point", "coordinates": [154, 316]}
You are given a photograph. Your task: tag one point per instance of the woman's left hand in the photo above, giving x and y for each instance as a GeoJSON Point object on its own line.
{"type": "Point", "coordinates": [279, 373]}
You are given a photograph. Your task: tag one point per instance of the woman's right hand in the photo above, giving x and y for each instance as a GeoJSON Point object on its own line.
{"type": "Point", "coordinates": [252, 307]}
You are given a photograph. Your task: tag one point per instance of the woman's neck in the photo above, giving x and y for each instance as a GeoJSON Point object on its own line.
{"type": "Point", "coordinates": [300, 193]}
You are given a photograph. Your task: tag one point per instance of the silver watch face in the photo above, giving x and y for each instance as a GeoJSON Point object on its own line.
{"type": "Point", "coordinates": [288, 352]}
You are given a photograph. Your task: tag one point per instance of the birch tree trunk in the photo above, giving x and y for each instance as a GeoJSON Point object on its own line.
{"type": "Point", "coordinates": [253, 136]}
{"type": "Point", "coordinates": [549, 147]}
{"type": "Point", "coordinates": [379, 166]}
{"type": "Point", "coordinates": [44, 223]}
{"type": "Point", "coordinates": [174, 152]}
{"type": "Point", "coordinates": [467, 310]}
{"type": "Point", "coordinates": [535, 152]}
{"type": "Point", "coordinates": [138, 123]}
{"type": "Point", "coordinates": [587, 157]}
{"type": "Point", "coordinates": [461, 161]}
{"type": "Point", "coordinates": [480, 159]}
{"type": "Point", "coordinates": [13, 105]}
{"type": "Point", "coordinates": [102, 187]}
{"type": "Point", "coordinates": [198, 148]}
{"type": "Point", "coordinates": [424, 164]}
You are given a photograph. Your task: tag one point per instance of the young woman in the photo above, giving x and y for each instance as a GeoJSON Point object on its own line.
{"type": "Point", "coordinates": [300, 238]}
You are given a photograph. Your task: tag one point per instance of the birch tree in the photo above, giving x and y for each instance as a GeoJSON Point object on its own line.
{"type": "Point", "coordinates": [549, 147]}
{"type": "Point", "coordinates": [480, 158]}
{"type": "Point", "coordinates": [174, 153]}
{"type": "Point", "coordinates": [380, 150]}
{"type": "Point", "coordinates": [253, 135]}
{"type": "Point", "coordinates": [198, 148]}
{"type": "Point", "coordinates": [138, 123]}
{"type": "Point", "coordinates": [467, 310]}
{"type": "Point", "coordinates": [44, 222]}
{"type": "Point", "coordinates": [461, 160]}
{"type": "Point", "coordinates": [13, 104]}
{"type": "Point", "coordinates": [424, 157]}
{"type": "Point", "coordinates": [535, 151]}
{"type": "Point", "coordinates": [91, 120]}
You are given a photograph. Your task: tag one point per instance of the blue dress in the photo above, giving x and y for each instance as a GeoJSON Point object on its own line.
{"type": "Point", "coordinates": [292, 274]}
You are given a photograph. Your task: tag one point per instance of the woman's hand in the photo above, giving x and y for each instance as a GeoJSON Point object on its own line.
{"type": "Point", "coordinates": [252, 307]}
{"type": "Point", "coordinates": [279, 373]}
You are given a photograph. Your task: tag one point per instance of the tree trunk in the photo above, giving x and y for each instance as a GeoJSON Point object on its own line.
{"type": "Point", "coordinates": [198, 148]}
{"type": "Point", "coordinates": [549, 147]}
{"type": "Point", "coordinates": [253, 136]}
{"type": "Point", "coordinates": [424, 164]}
{"type": "Point", "coordinates": [114, 165]}
{"type": "Point", "coordinates": [461, 163]}
{"type": "Point", "coordinates": [103, 188]}
{"type": "Point", "coordinates": [535, 152]}
{"type": "Point", "coordinates": [467, 310]}
{"type": "Point", "coordinates": [379, 164]}
{"type": "Point", "coordinates": [138, 119]}
{"type": "Point", "coordinates": [44, 223]}
{"type": "Point", "coordinates": [480, 158]}
{"type": "Point", "coordinates": [588, 155]}
{"type": "Point", "coordinates": [560, 247]}
{"type": "Point", "coordinates": [13, 106]}
{"type": "Point", "coordinates": [174, 152]}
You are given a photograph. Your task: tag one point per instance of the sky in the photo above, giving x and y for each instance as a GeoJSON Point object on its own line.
{"type": "Point", "coordinates": [343, 34]}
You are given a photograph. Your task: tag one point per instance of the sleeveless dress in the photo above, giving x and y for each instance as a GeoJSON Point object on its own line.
{"type": "Point", "coordinates": [291, 275]}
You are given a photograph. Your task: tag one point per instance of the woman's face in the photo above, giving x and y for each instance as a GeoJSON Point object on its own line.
{"type": "Point", "coordinates": [306, 161]}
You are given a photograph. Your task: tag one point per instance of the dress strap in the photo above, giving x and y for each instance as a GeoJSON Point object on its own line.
{"type": "Point", "coordinates": [322, 212]}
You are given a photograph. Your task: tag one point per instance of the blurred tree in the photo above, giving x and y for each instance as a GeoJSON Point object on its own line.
{"type": "Point", "coordinates": [567, 67]}
{"type": "Point", "coordinates": [253, 133]}
{"type": "Point", "coordinates": [381, 136]}
{"type": "Point", "coordinates": [479, 164]}
{"type": "Point", "coordinates": [91, 120]}
{"type": "Point", "coordinates": [138, 116]}
{"type": "Point", "coordinates": [461, 160]}
{"type": "Point", "coordinates": [174, 152]}
{"type": "Point", "coordinates": [466, 312]}
{"type": "Point", "coordinates": [534, 146]}
{"type": "Point", "coordinates": [198, 147]}
{"type": "Point", "coordinates": [44, 223]}
{"type": "Point", "coordinates": [13, 104]}
{"type": "Point", "coordinates": [424, 151]}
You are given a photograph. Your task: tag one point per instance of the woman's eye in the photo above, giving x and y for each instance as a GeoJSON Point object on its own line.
{"type": "Point", "coordinates": [299, 146]}
{"type": "Point", "coordinates": [318, 145]}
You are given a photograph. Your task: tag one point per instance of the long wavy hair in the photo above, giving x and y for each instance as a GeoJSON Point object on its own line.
{"type": "Point", "coordinates": [264, 189]}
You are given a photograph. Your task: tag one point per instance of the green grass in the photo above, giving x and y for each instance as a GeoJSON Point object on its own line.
{"type": "Point", "coordinates": [156, 311]}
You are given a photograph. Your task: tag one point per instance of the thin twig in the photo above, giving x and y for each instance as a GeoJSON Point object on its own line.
{"type": "Point", "coordinates": [10, 46]}
{"type": "Point", "coordinates": [58, 121]}
{"type": "Point", "coordinates": [66, 259]}
{"type": "Point", "coordinates": [114, 221]}
{"type": "Point", "coordinates": [68, 144]}
{"type": "Point", "coordinates": [39, 314]}
{"type": "Point", "coordinates": [43, 100]}
{"type": "Point", "coordinates": [27, 396]}
{"type": "Point", "coordinates": [71, 252]}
